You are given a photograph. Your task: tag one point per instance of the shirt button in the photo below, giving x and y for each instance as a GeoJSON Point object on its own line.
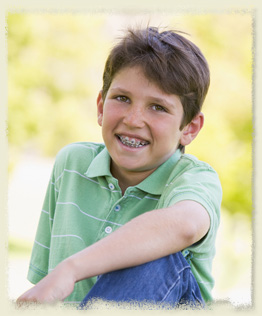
{"type": "Point", "coordinates": [111, 186]}
{"type": "Point", "coordinates": [117, 208]}
{"type": "Point", "coordinates": [108, 230]}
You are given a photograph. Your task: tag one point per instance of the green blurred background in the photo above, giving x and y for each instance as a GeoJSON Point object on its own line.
{"type": "Point", "coordinates": [55, 65]}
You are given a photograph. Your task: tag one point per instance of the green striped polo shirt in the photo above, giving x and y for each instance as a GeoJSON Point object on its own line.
{"type": "Point", "coordinates": [84, 203]}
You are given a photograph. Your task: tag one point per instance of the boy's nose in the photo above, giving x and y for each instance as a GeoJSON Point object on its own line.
{"type": "Point", "coordinates": [134, 117]}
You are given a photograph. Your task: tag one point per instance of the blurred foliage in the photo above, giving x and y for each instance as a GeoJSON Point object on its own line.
{"type": "Point", "coordinates": [55, 65]}
{"type": "Point", "coordinates": [226, 139]}
{"type": "Point", "coordinates": [52, 71]}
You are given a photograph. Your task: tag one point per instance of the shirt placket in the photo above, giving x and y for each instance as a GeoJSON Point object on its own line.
{"type": "Point", "coordinates": [110, 224]}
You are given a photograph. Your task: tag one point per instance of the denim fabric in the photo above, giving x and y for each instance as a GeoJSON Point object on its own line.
{"type": "Point", "coordinates": [166, 281]}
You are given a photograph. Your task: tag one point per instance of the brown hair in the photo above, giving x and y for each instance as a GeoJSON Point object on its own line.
{"type": "Point", "coordinates": [167, 58]}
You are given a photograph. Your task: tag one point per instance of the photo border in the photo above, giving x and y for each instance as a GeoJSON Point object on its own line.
{"type": "Point", "coordinates": [186, 6]}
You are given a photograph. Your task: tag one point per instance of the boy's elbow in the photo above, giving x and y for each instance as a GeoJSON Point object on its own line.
{"type": "Point", "coordinates": [188, 234]}
{"type": "Point", "coordinates": [191, 235]}
{"type": "Point", "coordinates": [193, 224]}
{"type": "Point", "coordinates": [194, 232]}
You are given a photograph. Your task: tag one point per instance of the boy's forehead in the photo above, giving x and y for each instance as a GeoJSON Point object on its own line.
{"type": "Point", "coordinates": [122, 79]}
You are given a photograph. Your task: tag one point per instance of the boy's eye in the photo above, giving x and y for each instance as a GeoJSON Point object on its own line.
{"type": "Point", "coordinates": [159, 108]}
{"type": "Point", "coordinates": [122, 98]}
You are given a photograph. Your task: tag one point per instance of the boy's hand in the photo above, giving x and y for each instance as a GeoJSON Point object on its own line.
{"type": "Point", "coordinates": [56, 286]}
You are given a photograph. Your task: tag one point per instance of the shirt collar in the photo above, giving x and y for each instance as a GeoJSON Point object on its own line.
{"type": "Point", "coordinates": [153, 184]}
{"type": "Point", "coordinates": [156, 182]}
{"type": "Point", "coordinates": [100, 165]}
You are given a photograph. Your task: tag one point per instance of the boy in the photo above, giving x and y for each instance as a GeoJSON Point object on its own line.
{"type": "Point", "coordinates": [157, 207]}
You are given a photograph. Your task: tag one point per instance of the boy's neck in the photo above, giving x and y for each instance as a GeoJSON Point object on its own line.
{"type": "Point", "coordinates": [129, 178]}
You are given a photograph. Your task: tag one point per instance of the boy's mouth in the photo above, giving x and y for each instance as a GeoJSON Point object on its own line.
{"type": "Point", "coordinates": [132, 142]}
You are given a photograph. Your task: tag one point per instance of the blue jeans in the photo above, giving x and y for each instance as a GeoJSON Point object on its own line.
{"type": "Point", "coordinates": [167, 281]}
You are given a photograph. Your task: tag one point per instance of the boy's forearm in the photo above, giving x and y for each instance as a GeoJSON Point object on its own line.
{"type": "Point", "coordinates": [145, 238]}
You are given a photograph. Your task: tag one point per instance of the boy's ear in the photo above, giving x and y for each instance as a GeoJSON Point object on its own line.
{"type": "Point", "coordinates": [100, 108]}
{"type": "Point", "coordinates": [190, 131]}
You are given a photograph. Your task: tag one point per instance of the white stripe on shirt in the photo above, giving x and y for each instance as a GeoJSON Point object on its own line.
{"type": "Point", "coordinates": [96, 218]}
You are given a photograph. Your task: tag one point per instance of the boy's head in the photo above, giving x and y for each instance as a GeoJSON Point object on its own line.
{"type": "Point", "coordinates": [169, 60]}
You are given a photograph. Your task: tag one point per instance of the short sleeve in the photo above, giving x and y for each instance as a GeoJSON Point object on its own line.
{"type": "Point", "coordinates": [200, 183]}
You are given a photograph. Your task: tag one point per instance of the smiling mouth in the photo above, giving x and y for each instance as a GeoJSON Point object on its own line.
{"type": "Point", "coordinates": [132, 142]}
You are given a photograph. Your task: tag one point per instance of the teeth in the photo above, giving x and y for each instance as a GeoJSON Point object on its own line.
{"type": "Point", "coordinates": [132, 142]}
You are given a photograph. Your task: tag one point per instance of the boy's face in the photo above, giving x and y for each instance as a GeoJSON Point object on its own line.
{"type": "Point", "coordinates": [140, 124]}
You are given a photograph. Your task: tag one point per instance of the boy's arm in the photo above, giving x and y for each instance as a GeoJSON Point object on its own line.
{"type": "Point", "coordinates": [147, 237]}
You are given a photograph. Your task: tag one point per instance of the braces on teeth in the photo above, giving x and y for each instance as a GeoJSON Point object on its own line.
{"type": "Point", "coordinates": [132, 142]}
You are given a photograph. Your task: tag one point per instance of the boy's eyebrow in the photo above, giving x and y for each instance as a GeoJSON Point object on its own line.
{"type": "Point", "coordinates": [154, 99]}
{"type": "Point", "coordinates": [161, 101]}
{"type": "Point", "coordinates": [120, 90]}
